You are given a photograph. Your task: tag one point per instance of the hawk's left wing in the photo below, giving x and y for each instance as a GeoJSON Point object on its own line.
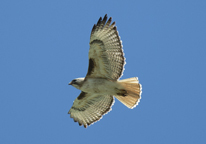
{"type": "Point", "coordinates": [106, 57]}
{"type": "Point", "coordinates": [89, 108]}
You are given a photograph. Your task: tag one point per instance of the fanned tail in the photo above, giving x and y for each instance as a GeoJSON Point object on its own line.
{"type": "Point", "coordinates": [133, 92]}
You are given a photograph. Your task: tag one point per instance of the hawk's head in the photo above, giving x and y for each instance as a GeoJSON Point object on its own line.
{"type": "Point", "coordinates": [77, 83]}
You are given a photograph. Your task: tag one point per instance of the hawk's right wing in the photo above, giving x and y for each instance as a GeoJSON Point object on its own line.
{"type": "Point", "coordinates": [89, 108]}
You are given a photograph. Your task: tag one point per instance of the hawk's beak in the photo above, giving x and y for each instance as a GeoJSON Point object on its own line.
{"type": "Point", "coordinates": [70, 83]}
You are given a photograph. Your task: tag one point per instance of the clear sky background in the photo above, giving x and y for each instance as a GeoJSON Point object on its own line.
{"type": "Point", "coordinates": [44, 45]}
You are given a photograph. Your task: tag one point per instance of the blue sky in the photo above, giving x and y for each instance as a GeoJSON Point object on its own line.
{"type": "Point", "coordinates": [44, 45]}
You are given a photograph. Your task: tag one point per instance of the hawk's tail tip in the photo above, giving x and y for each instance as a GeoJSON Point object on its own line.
{"type": "Point", "coordinates": [133, 89]}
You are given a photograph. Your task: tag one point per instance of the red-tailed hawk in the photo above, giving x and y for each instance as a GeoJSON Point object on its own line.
{"type": "Point", "coordinates": [106, 65]}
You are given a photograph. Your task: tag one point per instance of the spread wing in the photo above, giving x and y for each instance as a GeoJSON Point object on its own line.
{"type": "Point", "coordinates": [89, 108]}
{"type": "Point", "coordinates": [106, 57]}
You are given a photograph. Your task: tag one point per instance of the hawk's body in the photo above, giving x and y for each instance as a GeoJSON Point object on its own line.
{"type": "Point", "coordinates": [101, 86]}
{"type": "Point", "coordinates": [106, 65]}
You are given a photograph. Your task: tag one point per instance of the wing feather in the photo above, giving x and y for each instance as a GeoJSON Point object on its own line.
{"type": "Point", "coordinates": [106, 57]}
{"type": "Point", "coordinates": [90, 108]}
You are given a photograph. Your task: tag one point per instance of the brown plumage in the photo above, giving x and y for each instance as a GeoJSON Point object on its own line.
{"type": "Point", "coordinates": [106, 66]}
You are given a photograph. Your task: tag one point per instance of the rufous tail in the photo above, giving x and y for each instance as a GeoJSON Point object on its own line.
{"type": "Point", "coordinates": [133, 92]}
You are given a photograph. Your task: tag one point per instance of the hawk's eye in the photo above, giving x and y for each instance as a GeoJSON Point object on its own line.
{"type": "Point", "coordinates": [74, 81]}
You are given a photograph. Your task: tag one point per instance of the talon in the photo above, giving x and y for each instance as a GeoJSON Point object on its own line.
{"type": "Point", "coordinates": [122, 92]}
{"type": "Point", "coordinates": [124, 95]}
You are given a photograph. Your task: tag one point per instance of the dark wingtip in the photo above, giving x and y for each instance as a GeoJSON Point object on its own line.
{"type": "Point", "coordinates": [99, 21]}
{"type": "Point", "coordinates": [110, 19]}
{"type": "Point", "coordinates": [105, 18]}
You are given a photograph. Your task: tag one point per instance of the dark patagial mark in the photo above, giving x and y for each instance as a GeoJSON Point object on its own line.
{"type": "Point", "coordinates": [78, 109]}
{"type": "Point", "coordinates": [97, 41]}
{"type": "Point", "coordinates": [91, 66]}
{"type": "Point", "coordinates": [81, 96]}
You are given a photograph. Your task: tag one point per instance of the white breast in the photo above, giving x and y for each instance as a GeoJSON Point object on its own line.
{"type": "Point", "coordinates": [97, 85]}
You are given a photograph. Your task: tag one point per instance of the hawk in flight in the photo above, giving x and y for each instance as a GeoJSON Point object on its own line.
{"type": "Point", "coordinates": [102, 84]}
